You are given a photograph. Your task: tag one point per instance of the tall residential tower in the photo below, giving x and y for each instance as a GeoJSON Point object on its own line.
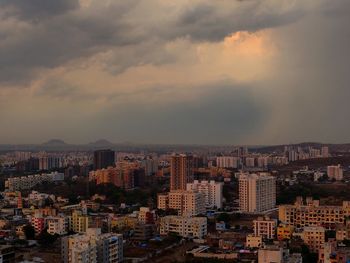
{"type": "Point", "coordinates": [181, 171]}
{"type": "Point", "coordinates": [257, 193]}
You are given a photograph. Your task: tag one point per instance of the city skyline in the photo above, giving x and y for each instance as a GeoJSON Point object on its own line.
{"type": "Point", "coordinates": [190, 72]}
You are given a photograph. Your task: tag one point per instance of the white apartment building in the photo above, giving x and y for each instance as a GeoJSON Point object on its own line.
{"type": "Point", "coordinates": [250, 162]}
{"type": "Point", "coordinates": [92, 247]}
{"type": "Point", "coordinates": [227, 162]}
{"type": "Point", "coordinates": [188, 203]}
{"type": "Point", "coordinates": [335, 172]}
{"type": "Point", "coordinates": [263, 161]}
{"type": "Point", "coordinates": [28, 182]}
{"type": "Point", "coordinates": [257, 193]}
{"type": "Point", "coordinates": [57, 225]}
{"type": "Point", "coordinates": [265, 228]}
{"type": "Point", "coordinates": [184, 226]}
{"type": "Point", "coordinates": [325, 152]}
{"type": "Point", "coordinates": [212, 191]}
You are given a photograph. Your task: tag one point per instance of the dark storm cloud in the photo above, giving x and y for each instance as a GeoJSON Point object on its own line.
{"type": "Point", "coordinates": [40, 34]}
{"type": "Point", "coordinates": [222, 111]}
{"type": "Point", "coordinates": [313, 76]}
{"type": "Point", "coordinates": [38, 9]}
{"type": "Point", "coordinates": [210, 21]}
{"type": "Point", "coordinates": [55, 41]}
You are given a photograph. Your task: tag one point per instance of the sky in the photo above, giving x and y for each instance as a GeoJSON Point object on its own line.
{"type": "Point", "coordinates": [175, 72]}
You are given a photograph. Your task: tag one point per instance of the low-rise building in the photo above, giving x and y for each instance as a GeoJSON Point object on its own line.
{"type": "Point", "coordinates": [313, 214]}
{"type": "Point", "coordinates": [92, 247]}
{"type": "Point", "coordinates": [253, 241]}
{"type": "Point", "coordinates": [184, 226]}
{"type": "Point", "coordinates": [265, 227]}
{"type": "Point", "coordinates": [146, 216]}
{"type": "Point", "coordinates": [57, 225]}
{"type": "Point", "coordinates": [284, 232]}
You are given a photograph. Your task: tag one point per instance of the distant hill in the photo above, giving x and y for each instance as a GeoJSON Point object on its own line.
{"type": "Point", "coordinates": [101, 143]}
{"type": "Point", "coordinates": [60, 145]}
{"type": "Point", "coordinates": [55, 142]}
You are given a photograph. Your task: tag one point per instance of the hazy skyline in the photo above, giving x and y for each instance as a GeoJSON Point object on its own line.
{"type": "Point", "coordinates": [192, 72]}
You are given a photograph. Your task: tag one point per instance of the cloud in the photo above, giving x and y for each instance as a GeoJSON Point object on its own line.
{"type": "Point", "coordinates": [40, 35]}
{"type": "Point", "coordinates": [37, 9]}
{"type": "Point", "coordinates": [200, 71]}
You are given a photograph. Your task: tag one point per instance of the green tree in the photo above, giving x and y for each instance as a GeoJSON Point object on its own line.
{"type": "Point", "coordinates": [29, 231]}
{"type": "Point", "coordinates": [46, 239]}
{"type": "Point", "coordinates": [224, 217]}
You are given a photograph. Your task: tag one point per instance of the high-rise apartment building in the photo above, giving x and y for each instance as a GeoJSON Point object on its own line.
{"type": "Point", "coordinates": [250, 161]}
{"type": "Point", "coordinates": [181, 171]}
{"type": "Point", "coordinates": [335, 172]}
{"type": "Point", "coordinates": [50, 162]}
{"type": "Point", "coordinates": [212, 191]}
{"type": "Point", "coordinates": [325, 151]}
{"type": "Point", "coordinates": [227, 161]}
{"type": "Point", "coordinates": [263, 161]}
{"type": "Point", "coordinates": [257, 193]}
{"type": "Point", "coordinates": [103, 159]}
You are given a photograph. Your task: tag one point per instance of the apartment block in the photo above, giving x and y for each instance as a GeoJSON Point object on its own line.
{"type": "Point", "coordinates": [184, 226]}
{"type": "Point", "coordinates": [188, 203]}
{"type": "Point", "coordinates": [253, 241]}
{"type": "Point", "coordinates": [212, 191]}
{"type": "Point", "coordinates": [314, 237]}
{"type": "Point", "coordinates": [28, 182]}
{"type": "Point", "coordinates": [265, 228]}
{"type": "Point", "coordinates": [313, 214]}
{"type": "Point", "coordinates": [92, 247]}
{"type": "Point", "coordinates": [284, 232]}
{"type": "Point", "coordinates": [181, 171]}
{"type": "Point", "coordinates": [57, 225]}
{"type": "Point", "coordinates": [79, 222]}
{"type": "Point", "coordinates": [335, 172]}
{"type": "Point", "coordinates": [227, 162]}
{"type": "Point", "coordinates": [257, 193]}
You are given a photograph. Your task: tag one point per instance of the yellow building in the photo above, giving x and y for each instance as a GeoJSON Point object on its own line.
{"type": "Point", "coordinates": [123, 222]}
{"type": "Point", "coordinates": [313, 214]}
{"type": "Point", "coordinates": [284, 232]}
{"type": "Point", "coordinates": [78, 222]}
{"type": "Point", "coordinates": [254, 241]}
{"type": "Point", "coordinates": [314, 238]}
